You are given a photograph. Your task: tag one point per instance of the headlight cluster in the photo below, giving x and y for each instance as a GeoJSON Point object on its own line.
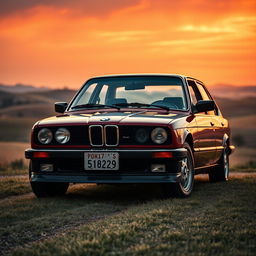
{"type": "Point", "coordinates": [158, 135]}
{"type": "Point", "coordinates": [45, 136]}
{"type": "Point", "coordinates": [141, 135]}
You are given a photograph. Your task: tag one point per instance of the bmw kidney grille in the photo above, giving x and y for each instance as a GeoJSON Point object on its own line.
{"type": "Point", "coordinates": [107, 135]}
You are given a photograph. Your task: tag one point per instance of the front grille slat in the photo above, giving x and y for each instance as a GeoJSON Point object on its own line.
{"type": "Point", "coordinates": [96, 135]}
{"type": "Point", "coordinates": [111, 135]}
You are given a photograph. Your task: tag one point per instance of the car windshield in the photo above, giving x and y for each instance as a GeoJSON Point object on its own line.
{"type": "Point", "coordinates": [165, 92]}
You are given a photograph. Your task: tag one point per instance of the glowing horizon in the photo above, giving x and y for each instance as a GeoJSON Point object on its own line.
{"type": "Point", "coordinates": [58, 43]}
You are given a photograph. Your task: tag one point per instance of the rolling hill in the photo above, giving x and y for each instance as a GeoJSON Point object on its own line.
{"type": "Point", "coordinates": [40, 103]}
{"type": "Point", "coordinates": [9, 102]}
{"type": "Point", "coordinates": [19, 111]}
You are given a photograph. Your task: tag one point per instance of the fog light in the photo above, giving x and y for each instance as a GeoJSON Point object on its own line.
{"type": "Point", "coordinates": [157, 167]}
{"type": "Point", "coordinates": [46, 167]}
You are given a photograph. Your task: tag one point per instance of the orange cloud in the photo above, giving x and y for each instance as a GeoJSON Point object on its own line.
{"type": "Point", "coordinates": [81, 7]}
{"type": "Point", "coordinates": [56, 44]}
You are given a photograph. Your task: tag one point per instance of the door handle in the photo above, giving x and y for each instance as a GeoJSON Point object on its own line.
{"type": "Point", "coordinates": [212, 124]}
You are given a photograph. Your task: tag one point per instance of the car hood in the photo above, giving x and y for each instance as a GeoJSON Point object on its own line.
{"type": "Point", "coordinates": [141, 117]}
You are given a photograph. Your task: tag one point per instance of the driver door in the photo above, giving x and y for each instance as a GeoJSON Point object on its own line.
{"type": "Point", "coordinates": [204, 141]}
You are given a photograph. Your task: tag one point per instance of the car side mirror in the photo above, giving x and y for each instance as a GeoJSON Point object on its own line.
{"type": "Point", "coordinates": [204, 106]}
{"type": "Point", "coordinates": [60, 107]}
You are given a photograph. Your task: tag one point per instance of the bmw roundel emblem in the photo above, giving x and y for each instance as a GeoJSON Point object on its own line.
{"type": "Point", "coordinates": [105, 119]}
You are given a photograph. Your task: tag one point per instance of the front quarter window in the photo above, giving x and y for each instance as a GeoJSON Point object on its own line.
{"type": "Point", "coordinates": [85, 96]}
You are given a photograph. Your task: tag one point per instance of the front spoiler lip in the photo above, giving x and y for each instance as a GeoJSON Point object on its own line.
{"type": "Point", "coordinates": [107, 179]}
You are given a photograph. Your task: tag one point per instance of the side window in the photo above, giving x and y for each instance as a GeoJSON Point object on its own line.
{"type": "Point", "coordinates": [194, 92]}
{"type": "Point", "coordinates": [193, 95]}
{"type": "Point", "coordinates": [203, 92]}
{"type": "Point", "coordinates": [206, 96]}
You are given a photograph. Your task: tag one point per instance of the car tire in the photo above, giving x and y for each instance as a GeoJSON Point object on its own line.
{"type": "Point", "coordinates": [184, 187]}
{"type": "Point", "coordinates": [49, 189]}
{"type": "Point", "coordinates": [221, 172]}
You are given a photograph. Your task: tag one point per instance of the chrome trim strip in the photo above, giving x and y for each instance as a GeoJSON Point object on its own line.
{"type": "Point", "coordinates": [102, 136]}
{"type": "Point", "coordinates": [112, 150]}
{"type": "Point", "coordinates": [208, 149]}
{"type": "Point", "coordinates": [205, 166]}
{"type": "Point", "coordinates": [105, 135]}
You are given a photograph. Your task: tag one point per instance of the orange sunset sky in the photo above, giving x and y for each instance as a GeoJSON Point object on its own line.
{"type": "Point", "coordinates": [59, 43]}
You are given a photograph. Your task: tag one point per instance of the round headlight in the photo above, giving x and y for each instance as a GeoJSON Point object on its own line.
{"type": "Point", "coordinates": [45, 136]}
{"type": "Point", "coordinates": [62, 135]}
{"type": "Point", "coordinates": [159, 135]}
{"type": "Point", "coordinates": [141, 135]}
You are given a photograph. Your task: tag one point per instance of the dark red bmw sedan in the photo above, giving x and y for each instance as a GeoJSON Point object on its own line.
{"type": "Point", "coordinates": [131, 129]}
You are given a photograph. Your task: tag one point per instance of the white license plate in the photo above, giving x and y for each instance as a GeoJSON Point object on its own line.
{"type": "Point", "coordinates": [101, 161]}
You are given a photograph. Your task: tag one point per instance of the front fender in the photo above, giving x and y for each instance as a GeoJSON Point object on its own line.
{"type": "Point", "coordinates": [184, 134]}
{"type": "Point", "coordinates": [226, 141]}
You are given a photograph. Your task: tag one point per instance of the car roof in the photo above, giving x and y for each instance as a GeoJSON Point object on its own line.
{"type": "Point", "coordinates": [139, 74]}
{"type": "Point", "coordinates": [146, 74]}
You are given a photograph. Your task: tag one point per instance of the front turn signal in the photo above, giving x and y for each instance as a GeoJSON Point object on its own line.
{"type": "Point", "coordinates": [40, 155]}
{"type": "Point", "coordinates": [162, 155]}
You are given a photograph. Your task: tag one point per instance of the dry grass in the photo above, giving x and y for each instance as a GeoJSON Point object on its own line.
{"type": "Point", "coordinates": [14, 185]}
{"type": "Point", "coordinates": [219, 219]}
{"type": "Point", "coordinates": [12, 150]}
{"type": "Point", "coordinates": [242, 156]}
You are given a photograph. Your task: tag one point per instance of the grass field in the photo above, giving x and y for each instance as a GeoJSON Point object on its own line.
{"type": "Point", "coordinates": [242, 156]}
{"type": "Point", "coordinates": [245, 127]}
{"type": "Point", "coordinates": [16, 129]}
{"type": "Point", "coordinates": [14, 185]}
{"type": "Point", "coordinates": [12, 150]}
{"type": "Point", "coordinates": [218, 219]}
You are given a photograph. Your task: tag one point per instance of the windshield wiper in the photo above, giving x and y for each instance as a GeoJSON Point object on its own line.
{"type": "Point", "coordinates": [95, 106]}
{"type": "Point", "coordinates": [140, 105]}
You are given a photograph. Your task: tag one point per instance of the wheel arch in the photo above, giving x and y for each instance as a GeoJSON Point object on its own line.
{"type": "Point", "coordinates": [226, 141]}
{"type": "Point", "coordinates": [189, 140]}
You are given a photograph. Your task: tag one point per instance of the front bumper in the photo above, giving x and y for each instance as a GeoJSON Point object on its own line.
{"type": "Point", "coordinates": [134, 166]}
{"type": "Point", "coordinates": [106, 179]}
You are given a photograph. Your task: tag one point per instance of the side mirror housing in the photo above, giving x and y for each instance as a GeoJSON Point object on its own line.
{"type": "Point", "coordinates": [60, 107]}
{"type": "Point", "coordinates": [204, 106]}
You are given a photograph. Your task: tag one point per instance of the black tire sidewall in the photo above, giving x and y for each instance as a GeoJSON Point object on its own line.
{"type": "Point", "coordinates": [190, 157]}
